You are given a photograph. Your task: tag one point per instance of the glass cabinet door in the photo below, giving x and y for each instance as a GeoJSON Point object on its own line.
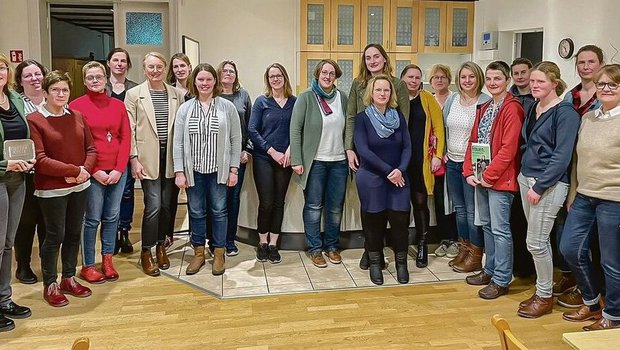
{"type": "Point", "coordinates": [308, 61]}
{"type": "Point", "coordinates": [460, 27]}
{"type": "Point", "coordinates": [345, 24]}
{"type": "Point", "coordinates": [400, 60]}
{"type": "Point", "coordinates": [349, 64]}
{"type": "Point", "coordinates": [315, 29]}
{"type": "Point", "coordinates": [375, 22]}
{"type": "Point", "coordinates": [432, 26]}
{"type": "Point", "coordinates": [404, 26]}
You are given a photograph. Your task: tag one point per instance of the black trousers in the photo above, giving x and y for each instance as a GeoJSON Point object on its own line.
{"type": "Point", "coordinates": [375, 229]}
{"type": "Point", "coordinates": [271, 184]}
{"type": "Point", "coordinates": [64, 219]}
{"type": "Point", "coordinates": [31, 220]}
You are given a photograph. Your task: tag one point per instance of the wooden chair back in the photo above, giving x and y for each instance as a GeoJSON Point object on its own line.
{"type": "Point", "coordinates": [506, 338]}
{"type": "Point", "coordinates": [82, 343]}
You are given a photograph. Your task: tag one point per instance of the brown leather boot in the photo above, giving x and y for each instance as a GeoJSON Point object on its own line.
{"type": "Point", "coordinates": [583, 314]}
{"type": "Point", "coordinates": [538, 307]}
{"type": "Point", "coordinates": [148, 264]}
{"type": "Point", "coordinates": [527, 301]}
{"type": "Point", "coordinates": [463, 251]}
{"type": "Point", "coordinates": [565, 284]}
{"type": "Point", "coordinates": [218, 261]}
{"type": "Point", "coordinates": [197, 261]}
{"type": "Point", "coordinates": [162, 257]}
{"type": "Point", "coordinates": [472, 261]}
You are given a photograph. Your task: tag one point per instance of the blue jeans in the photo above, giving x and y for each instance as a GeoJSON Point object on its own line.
{"type": "Point", "coordinates": [206, 189]}
{"type": "Point", "coordinates": [462, 196]}
{"type": "Point", "coordinates": [326, 187]}
{"type": "Point", "coordinates": [233, 208]}
{"type": "Point", "coordinates": [127, 201]}
{"type": "Point", "coordinates": [584, 213]}
{"type": "Point", "coordinates": [494, 212]}
{"type": "Point", "coordinates": [103, 205]}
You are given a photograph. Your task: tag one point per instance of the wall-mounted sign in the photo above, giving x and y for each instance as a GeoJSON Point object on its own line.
{"type": "Point", "coordinates": [17, 56]}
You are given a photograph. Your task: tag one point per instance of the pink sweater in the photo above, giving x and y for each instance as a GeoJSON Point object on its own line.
{"type": "Point", "coordinates": [109, 124]}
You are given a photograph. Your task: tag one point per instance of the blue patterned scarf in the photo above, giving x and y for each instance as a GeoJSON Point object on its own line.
{"type": "Point", "coordinates": [384, 124]}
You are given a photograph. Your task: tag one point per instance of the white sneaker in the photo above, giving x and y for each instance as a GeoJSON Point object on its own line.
{"type": "Point", "coordinates": [453, 250]}
{"type": "Point", "coordinates": [442, 250]}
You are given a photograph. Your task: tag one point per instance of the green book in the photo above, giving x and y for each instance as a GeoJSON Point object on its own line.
{"type": "Point", "coordinates": [480, 158]}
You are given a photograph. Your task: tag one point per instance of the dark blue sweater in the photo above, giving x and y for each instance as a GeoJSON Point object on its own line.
{"type": "Point", "coordinates": [548, 149]}
{"type": "Point", "coordinates": [270, 125]}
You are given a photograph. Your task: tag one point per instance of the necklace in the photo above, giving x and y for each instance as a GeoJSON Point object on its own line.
{"type": "Point", "coordinates": [4, 99]}
{"type": "Point", "coordinates": [468, 101]}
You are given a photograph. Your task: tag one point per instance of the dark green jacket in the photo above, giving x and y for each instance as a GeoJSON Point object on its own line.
{"type": "Point", "coordinates": [18, 102]}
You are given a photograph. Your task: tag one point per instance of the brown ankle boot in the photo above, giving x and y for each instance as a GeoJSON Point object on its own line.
{"type": "Point", "coordinates": [527, 301]}
{"type": "Point", "coordinates": [538, 307]}
{"type": "Point", "coordinates": [463, 251]}
{"type": "Point", "coordinates": [218, 261]}
{"type": "Point", "coordinates": [472, 261]}
{"type": "Point", "coordinates": [162, 257]}
{"type": "Point", "coordinates": [148, 264]}
{"type": "Point", "coordinates": [197, 261]}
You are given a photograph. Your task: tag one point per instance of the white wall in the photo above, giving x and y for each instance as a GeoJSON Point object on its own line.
{"type": "Point", "coordinates": [586, 22]}
{"type": "Point", "coordinates": [253, 33]}
{"type": "Point", "coordinates": [14, 27]}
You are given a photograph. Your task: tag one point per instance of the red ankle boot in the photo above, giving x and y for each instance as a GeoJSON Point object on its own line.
{"type": "Point", "coordinates": [108, 269]}
{"type": "Point", "coordinates": [91, 275]}
{"type": "Point", "coordinates": [54, 296]}
{"type": "Point", "coordinates": [70, 286]}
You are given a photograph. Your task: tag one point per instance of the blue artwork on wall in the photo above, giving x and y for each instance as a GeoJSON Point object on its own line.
{"type": "Point", "coordinates": [144, 28]}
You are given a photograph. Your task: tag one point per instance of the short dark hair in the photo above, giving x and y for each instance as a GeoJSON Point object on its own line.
{"type": "Point", "coordinates": [592, 48]}
{"type": "Point", "coordinates": [319, 68]}
{"type": "Point", "coordinates": [500, 66]}
{"type": "Point", "coordinates": [20, 68]}
{"type": "Point", "coordinates": [521, 60]}
{"type": "Point", "coordinates": [56, 76]}
{"type": "Point", "coordinates": [119, 49]}
{"type": "Point", "coordinates": [408, 67]}
{"type": "Point", "coordinates": [217, 88]}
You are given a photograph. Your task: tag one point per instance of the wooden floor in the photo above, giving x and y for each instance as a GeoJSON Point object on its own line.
{"type": "Point", "coordinates": [140, 312]}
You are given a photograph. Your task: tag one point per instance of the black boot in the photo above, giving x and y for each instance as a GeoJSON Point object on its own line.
{"type": "Point", "coordinates": [376, 275]}
{"type": "Point", "coordinates": [421, 259]}
{"type": "Point", "coordinates": [125, 243]}
{"type": "Point", "coordinates": [402, 273]}
{"type": "Point", "coordinates": [364, 263]}
{"type": "Point", "coordinates": [117, 243]}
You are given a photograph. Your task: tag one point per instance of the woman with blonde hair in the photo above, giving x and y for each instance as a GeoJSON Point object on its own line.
{"type": "Point", "coordinates": [550, 132]}
{"type": "Point", "coordinates": [152, 108]}
{"type": "Point", "coordinates": [459, 113]}
{"type": "Point", "coordinates": [269, 130]}
{"type": "Point", "coordinates": [440, 80]}
{"type": "Point", "coordinates": [382, 140]}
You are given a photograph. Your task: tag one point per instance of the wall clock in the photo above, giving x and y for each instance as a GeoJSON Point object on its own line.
{"type": "Point", "coordinates": [566, 48]}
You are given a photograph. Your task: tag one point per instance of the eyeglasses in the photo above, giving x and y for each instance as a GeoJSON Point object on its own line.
{"type": "Point", "coordinates": [153, 68]}
{"type": "Point", "coordinates": [276, 77]}
{"type": "Point", "coordinates": [93, 78]}
{"type": "Point", "coordinates": [57, 91]}
{"type": "Point", "coordinates": [4, 69]}
{"type": "Point", "coordinates": [328, 74]}
{"type": "Point", "coordinates": [435, 77]}
{"type": "Point", "coordinates": [229, 71]}
{"type": "Point", "coordinates": [37, 75]}
{"type": "Point", "coordinates": [385, 91]}
{"type": "Point", "coordinates": [611, 86]}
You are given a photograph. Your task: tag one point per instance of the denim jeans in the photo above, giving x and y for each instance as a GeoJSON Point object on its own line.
{"type": "Point", "coordinates": [540, 218]}
{"type": "Point", "coordinates": [326, 186]}
{"type": "Point", "coordinates": [12, 192]}
{"type": "Point", "coordinates": [160, 201]}
{"type": "Point", "coordinates": [233, 208]}
{"type": "Point", "coordinates": [103, 205]}
{"type": "Point", "coordinates": [462, 196]}
{"type": "Point", "coordinates": [575, 246]}
{"type": "Point", "coordinates": [271, 185]}
{"type": "Point", "coordinates": [127, 202]}
{"type": "Point", "coordinates": [494, 212]}
{"type": "Point", "coordinates": [207, 194]}
{"type": "Point", "coordinates": [64, 218]}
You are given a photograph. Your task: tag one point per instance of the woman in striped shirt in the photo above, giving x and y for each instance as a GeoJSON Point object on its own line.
{"type": "Point", "coordinates": [207, 147]}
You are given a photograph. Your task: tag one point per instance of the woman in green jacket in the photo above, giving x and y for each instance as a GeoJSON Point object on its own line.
{"type": "Point", "coordinates": [318, 157]}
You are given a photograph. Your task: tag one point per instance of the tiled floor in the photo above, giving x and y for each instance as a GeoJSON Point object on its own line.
{"type": "Point", "coordinates": [246, 277]}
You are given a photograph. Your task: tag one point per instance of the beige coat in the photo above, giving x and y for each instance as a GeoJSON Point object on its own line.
{"type": "Point", "coordinates": [144, 139]}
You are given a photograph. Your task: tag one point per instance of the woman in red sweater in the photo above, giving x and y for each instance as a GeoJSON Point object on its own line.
{"type": "Point", "coordinates": [109, 124]}
{"type": "Point", "coordinates": [497, 128]}
{"type": "Point", "coordinates": [66, 157]}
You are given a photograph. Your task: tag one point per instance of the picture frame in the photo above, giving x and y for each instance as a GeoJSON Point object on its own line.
{"type": "Point", "coordinates": [191, 48]}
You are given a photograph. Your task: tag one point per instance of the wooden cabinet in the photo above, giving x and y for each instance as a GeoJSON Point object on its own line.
{"type": "Point", "coordinates": [330, 25]}
{"type": "Point", "coordinates": [375, 22]}
{"type": "Point", "coordinates": [400, 60]}
{"type": "Point", "coordinates": [315, 25]}
{"type": "Point", "coordinates": [404, 27]}
{"type": "Point", "coordinates": [432, 26]}
{"type": "Point", "coordinates": [446, 27]}
{"type": "Point", "coordinates": [348, 63]}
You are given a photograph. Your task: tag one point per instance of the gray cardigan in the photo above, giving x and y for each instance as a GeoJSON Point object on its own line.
{"type": "Point", "coordinates": [228, 140]}
{"type": "Point", "coordinates": [306, 130]}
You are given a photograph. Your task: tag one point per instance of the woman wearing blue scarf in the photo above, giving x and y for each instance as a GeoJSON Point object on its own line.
{"type": "Point", "coordinates": [382, 141]}
{"type": "Point", "coordinates": [319, 160]}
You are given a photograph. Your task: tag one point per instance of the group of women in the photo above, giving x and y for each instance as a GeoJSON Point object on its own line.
{"type": "Point", "coordinates": [196, 129]}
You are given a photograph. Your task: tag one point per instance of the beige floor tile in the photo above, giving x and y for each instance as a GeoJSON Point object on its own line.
{"type": "Point", "coordinates": [241, 279]}
{"type": "Point", "coordinates": [333, 284]}
{"type": "Point", "coordinates": [289, 259]}
{"type": "Point", "coordinates": [245, 291]}
{"type": "Point", "coordinates": [421, 276]}
{"type": "Point", "coordinates": [388, 280]}
{"type": "Point", "coordinates": [286, 275]}
{"type": "Point", "coordinates": [205, 280]}
{"type": "Point", "coordinates": [330, 273]}
{"type": "Point", "coordinates": [451, 276]}
{"type": "Point", "coordinates": [248, 265]}
{"type": "Point", "coordinates": [290, 288]}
